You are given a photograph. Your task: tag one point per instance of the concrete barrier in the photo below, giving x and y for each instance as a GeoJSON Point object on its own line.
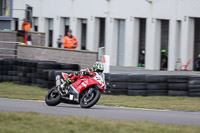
{"type": "Point", "coordinates": [84, 58]}
{"type": "Point", "coordinates": [8, 36]}
{"type": "Point", "coordinates": [38, 38]}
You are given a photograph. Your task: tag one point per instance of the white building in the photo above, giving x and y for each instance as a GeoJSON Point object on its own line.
{"type": "Point", "coordinates": [125, 27]}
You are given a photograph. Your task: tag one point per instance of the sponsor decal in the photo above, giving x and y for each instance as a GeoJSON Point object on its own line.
{"type": "Point", "coordinates": [84, 84]}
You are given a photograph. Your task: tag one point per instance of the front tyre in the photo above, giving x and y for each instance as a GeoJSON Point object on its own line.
{"type": "Point", "coordinates": [53, 97]}
{"type": "Point", "coordinates": [88, 101]}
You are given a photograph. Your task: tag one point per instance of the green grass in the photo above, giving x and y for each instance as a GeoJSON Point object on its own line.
{"type": "Point", "coordinates": [39, 123]}
{"type": "Point", "coordinates": [152, 102]}
{"type": "Point", "coordinates": [10, 90]}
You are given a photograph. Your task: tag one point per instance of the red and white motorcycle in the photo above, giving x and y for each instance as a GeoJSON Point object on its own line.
{"type": "Point", "coordinates": [86, 90]}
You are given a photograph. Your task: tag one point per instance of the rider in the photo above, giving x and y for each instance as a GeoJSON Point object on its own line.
{"type": "Point", "coordinates": [97, 67]}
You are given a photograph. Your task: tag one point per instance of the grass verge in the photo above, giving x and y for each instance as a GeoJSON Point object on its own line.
{"type": "Point", "coordinates": [10, 90]}
{"type": "Point", "coordinates": [39, 123]}
{"type": "Point", "coordinates": [152, 102]}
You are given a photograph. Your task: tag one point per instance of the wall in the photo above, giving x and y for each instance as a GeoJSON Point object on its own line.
{"type": "Point", "coordinates": [18, 36]}
{"type": "Point", "coordinates": [84, 58]}
{"type": "Point", "coordinates": [37, 38]}
{"type": "Point", "coordinates": [8, 36]}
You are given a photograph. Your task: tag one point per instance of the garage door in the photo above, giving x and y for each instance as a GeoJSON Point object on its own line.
{"type": "Point", "coordinates": [164, 42]}
{"type": "Point", "coordinates": [142, 40]}
{"type": "Point", "coordinates": [197, 38]}
{"type": "Point", "coordinates": [164, 34]}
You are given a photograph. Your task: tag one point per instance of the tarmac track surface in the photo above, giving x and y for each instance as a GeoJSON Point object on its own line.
{"type": "Point", "coordinates": [103, 112]}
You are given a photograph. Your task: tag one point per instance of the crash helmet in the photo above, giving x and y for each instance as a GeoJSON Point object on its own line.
{"type": "Point", "coordinates": [142, 51]}
{"type": "Point", "coordinates": [164, 51]}
{"type": "Point", "coordinates": [98, 67]}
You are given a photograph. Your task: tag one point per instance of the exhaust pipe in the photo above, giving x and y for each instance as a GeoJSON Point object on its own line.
{"type": "Point", "coordinates": [58, 82]}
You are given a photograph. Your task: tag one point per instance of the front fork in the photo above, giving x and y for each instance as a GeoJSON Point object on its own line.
{"type": "Point", "coordinates": [90, 91]}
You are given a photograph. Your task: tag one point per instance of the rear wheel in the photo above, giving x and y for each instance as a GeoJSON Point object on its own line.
{"type": "Point", "coordinates": [53, 97]}
{"type": "Point", "coordinates": [89, 100]}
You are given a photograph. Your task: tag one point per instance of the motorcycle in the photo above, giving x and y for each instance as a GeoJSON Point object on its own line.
{"type": "Point", "coordinates": [86, 90]}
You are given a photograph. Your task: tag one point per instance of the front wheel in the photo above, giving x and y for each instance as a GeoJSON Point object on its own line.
{"type": "Point", "coordinates": [89, 100]}
{"type": "Point", "coordinates": [53, 97]}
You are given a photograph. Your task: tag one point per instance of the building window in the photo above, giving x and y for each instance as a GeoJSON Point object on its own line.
{"type": "Point", "coordinates": [5, 8]}
{"type": "Point", "coordinates": [83, 33]}
{"type": "Point", "coordinates": [66, 25]}
{"type": "Point", "coordinates": [102, 32]}
{"type": "Point", "coordinates": [35, 24]}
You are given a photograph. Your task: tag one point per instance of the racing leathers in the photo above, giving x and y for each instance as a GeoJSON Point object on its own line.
{"type": "Point", "coordinates": [89, 71]}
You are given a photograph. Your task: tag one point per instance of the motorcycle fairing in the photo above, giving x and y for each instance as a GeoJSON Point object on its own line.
{"type": "Point", "coordinates": [65, 76]}
{"type": "Point", "coordinates": [85, 82]}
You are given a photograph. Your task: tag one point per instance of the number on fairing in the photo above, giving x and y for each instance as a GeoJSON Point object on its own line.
{"type": "Point", "coordinates": [98, 78]}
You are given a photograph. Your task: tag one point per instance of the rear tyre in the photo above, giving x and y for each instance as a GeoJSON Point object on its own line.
{"type": "Point", "coordinates": [53, 97]}
{"type": "Point", "coordinates": [88, 101]}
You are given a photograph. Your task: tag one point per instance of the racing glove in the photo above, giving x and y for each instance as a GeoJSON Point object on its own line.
{"type": "Point", "coordinates": [68, 80]}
